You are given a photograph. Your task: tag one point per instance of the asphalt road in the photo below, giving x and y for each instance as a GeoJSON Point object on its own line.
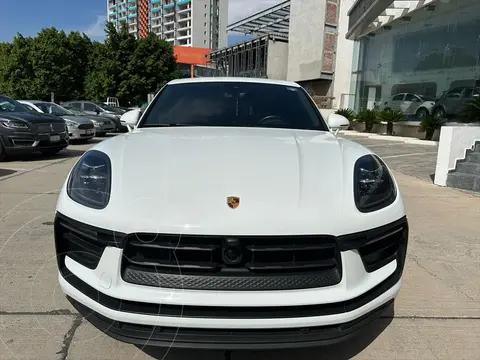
{"type": "Point", "coordinates": [437, 315]}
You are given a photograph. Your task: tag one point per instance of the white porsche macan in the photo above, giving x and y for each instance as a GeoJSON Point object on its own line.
{"type": "Point", "coordinates": [231, 216]}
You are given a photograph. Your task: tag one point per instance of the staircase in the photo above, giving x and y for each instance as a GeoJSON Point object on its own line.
{"type": "Point", "coordinates": [466, 175]}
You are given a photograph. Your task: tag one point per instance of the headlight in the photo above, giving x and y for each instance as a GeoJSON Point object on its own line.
{"type": "Point", "coordinates": [70, 123]}
{"type": "Point", "coordinates": [95, 122]}
{"type": "Point", "coordinates": [90, 180]}
{"type": "Point", "coordinates": [14, 124]}
{"type": "Point", "coordinates": [374, 188]}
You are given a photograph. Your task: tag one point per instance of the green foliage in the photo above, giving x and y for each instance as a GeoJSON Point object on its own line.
{"type": "Point", "coordinates": [368, 116]}
{"type": "Point", "coordinates": [431, 123]}
{"type": "Point", "coordinates": [73, 67]}
{"type": "Point", "coordinates": [391, 116]}
{"type": "Point", "coordinates": [470, 112]}
{"type": "Point", "coordinates": [348, 113]}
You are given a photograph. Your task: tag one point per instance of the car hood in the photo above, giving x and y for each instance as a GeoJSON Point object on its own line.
{"type": "Point", "coordinates": [77, 119]}
{"type": "Point", "coordinates": [31, 117]}
{"type": "Point", "coordinates": [178, 179]}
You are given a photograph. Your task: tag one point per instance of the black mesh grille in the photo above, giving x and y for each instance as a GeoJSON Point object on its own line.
{"type": "Point", "coordinates": [259, 263]}
{"type": "Point", "coordinates": [50, 128]}
{"type": "Point", "coordinates": [377, 247]}
{"type": "Point", "coordinates": [83, 243]}
{"type": "Point", "coordinates": [86, 126]}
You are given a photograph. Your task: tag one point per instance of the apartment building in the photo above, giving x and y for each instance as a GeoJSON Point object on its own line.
{"type": "Point", "coordinates": [193, 23]}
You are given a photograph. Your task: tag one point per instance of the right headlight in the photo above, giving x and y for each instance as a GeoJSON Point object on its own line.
{"type": "Point", "coordinates": [90, 180]}
{"type": "Point", "coordinates": [14, 124]}
{"type": "Point", "coordinates": [374, 187]}
{"type": "Point", "coordinates": [70, 123]}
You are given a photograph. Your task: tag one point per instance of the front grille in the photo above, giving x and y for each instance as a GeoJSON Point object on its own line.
{"type": "Point", "coordinates": [83, 243]}
{"type": "Point", "coordinates": [50, 128]}
{"type": "Point", "coordinates": [380, 246]}
{"type": "Point", "coordinates": [199, 262]}
{"type": "Point", "coordinates": [86, 126]}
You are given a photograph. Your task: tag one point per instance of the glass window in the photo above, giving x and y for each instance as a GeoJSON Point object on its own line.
{"type": "Point", "coordinates": [454, 94]}
{"type": "Point", "coordinates": [234, 104]}
{"type": "Point", "coordinates": [75, 105]}
{"type": "Point", "coordinates": [30, 108]}
{"type": "Point", "coordinates": [470, 93]}
{"type": "Point", "coordinates": [411, 97]}
{"type": "Point", "coordinates": [52, 108]}
{"type": "Point", "coordinates": [10, 105]}
{"type": "Point", "coordinates": [398, 97]}
{"type": "Point", "coordinates": [89, 107]}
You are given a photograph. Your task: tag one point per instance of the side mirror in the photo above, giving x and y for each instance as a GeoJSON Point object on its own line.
{"type": "Point", "coordinates": [97, 111]}
{"type": "Point", "coordinates": [336, 122]}
{"type": "Point", "coordinates": [130, 118]}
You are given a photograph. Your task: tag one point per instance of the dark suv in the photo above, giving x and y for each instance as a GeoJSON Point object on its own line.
{"type": "Point", "coordinates": [24, 132]}
{"type": "Point", "coordinates": [451, 103]}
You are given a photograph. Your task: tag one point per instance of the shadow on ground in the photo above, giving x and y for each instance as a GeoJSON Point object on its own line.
{"type": "Point", "coordinates": [342, 351]}
{"type": "Point", "coordinates": [6, 172]}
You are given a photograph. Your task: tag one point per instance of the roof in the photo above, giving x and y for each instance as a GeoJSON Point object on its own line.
{"type": "Point", "coordinates": [240, 44]}
{"type": "Point", "coordinates": [233, 79]}
{"type": "Point", "coordinates": [275, 19]}
{"type": "Point", "coordinates": [379, 15]}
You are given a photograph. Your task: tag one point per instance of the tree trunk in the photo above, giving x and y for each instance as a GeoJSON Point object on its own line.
{"type": "Point", "coordinates": [429, 134]}
{"type": "Point", "coordinates": [368, 127]}
{"type": "Point", "coordinates": [389, 128]}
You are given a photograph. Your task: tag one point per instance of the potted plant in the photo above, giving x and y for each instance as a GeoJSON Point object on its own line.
{"type": "Point", "coordinates": [470, 112]}
{"type": "Point", "coordinates": [390, 116]}
{"type": "Point", "coordinates": [429, 124]}
{"type": "Point", "coordinates": [347, 113]}
{"type": "Point", "coordinates": [369, 117]}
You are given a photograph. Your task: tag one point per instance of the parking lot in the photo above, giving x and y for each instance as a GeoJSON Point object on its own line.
{"type": "Point", "coordinates": [436, 316]}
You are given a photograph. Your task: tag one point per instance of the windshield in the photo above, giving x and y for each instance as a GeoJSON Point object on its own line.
{"type": "Point", "coordinates": [234, 104]}
{"type": "Point", "coordinates": [53, 109]}
{"type": "Point", "coordinates": [427, 98]}
{"type": "Point", "coordinates": [75, 111]}
{"type": "Point", "coordinates": [107, 107]}
{"type": "Point", "coordinates": [10, 105]}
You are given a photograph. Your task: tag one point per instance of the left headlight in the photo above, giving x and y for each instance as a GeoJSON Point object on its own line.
{"type": "Point", "coordinates": [14, 124]}
{"type": "Point", "coordinates": [374, 187]}
{"type": "Point", "coordinates": [90, 180]}
{"type": "Point", "coordinates": [71, 123]}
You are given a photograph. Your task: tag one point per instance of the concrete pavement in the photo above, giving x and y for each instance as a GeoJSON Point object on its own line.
{"type": "Point", "coordinates": [437, 315]}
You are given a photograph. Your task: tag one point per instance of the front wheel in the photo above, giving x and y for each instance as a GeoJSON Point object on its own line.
{"type": "Point", "coordinates": [439, 114]}
{"type": "Point", "coordinates": [421, 113]}
{"type": "Point", "coordinates": [3, 154]}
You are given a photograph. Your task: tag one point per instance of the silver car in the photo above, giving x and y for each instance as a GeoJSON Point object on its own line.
{"type": "Point", "coordinates": [80, 128]}
{"type": "Point", "coordinates": [103, 125]}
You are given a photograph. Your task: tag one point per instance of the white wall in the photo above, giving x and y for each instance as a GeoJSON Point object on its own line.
{"type": "Point", "coordinates": [305, 53]}
{"type": "Point", "coordinates": [344, 59]}
{"type": "Point", "coordinates": [277, 60]}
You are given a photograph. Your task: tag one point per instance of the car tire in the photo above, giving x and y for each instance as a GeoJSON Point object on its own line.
{"type": "Point", "coordinates": [50, 152]}
{"type": "Point", "coordinates": [439, 113]}
{"type": "Point", "coordinates": [421, 113]}
{"type": "Point", "coordinates": [3, 154]}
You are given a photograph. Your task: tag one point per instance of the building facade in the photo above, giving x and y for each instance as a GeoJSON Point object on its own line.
{"type": "Point", "coordinates": [425, 49]}
{"type": "Point", "coordinates": [194, 23]}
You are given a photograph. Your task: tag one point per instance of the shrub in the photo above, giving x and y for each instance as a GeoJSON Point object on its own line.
{"type": "Point", "coordinates": [429, 124]}
{"type": "Point", "coordinates": [470, 112]}
{"type": "Point", "coordinates": [369, 117]}
{"type": "Point", "coordinates": [390, 116]}
{"type": "Point", "coordinates": [348, 113]}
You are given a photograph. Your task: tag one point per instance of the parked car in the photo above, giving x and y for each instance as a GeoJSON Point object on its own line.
{"type": "Point", "coordinates": [94, 108]}
{"type": "Point", "coordinates": [450, 103]}
{"type": "Point", "coordinates": [79, 127]}
{"type": "Point", "coordinates": [410, 104]}
{"type": "Point", "coordinates": [103, 125]}
{"type": "Point", "coordinates": [25, 132]}
{"type": "Point", "coordinates": [248, 214]}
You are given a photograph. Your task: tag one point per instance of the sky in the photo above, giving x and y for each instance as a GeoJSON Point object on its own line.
{"type": "Point", "coordinates": [28, 17]}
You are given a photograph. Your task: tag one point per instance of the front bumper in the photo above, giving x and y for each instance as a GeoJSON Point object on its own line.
{"type": "Point", "coordinates": [178, 317]}
{"type": "Point", "coordinates": [105, 127]}
{"type": "Point", "coordinates": [75, 133]}
{"type": "Point", "coordinates": [21, 142]}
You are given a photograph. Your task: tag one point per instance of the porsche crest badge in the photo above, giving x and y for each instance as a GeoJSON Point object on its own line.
{"type": "Point", "coordinates": [233, 202]}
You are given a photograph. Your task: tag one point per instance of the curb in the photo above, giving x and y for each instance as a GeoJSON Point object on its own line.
{"type": "Point", "coordinates": [406, 140]}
